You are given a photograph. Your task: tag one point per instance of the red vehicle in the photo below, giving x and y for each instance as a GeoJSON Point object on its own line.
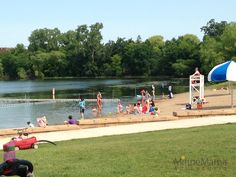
{"type": "Point", "coordinates": [21, 142]}
{"type": "Point", "coordinates": [25, 143]}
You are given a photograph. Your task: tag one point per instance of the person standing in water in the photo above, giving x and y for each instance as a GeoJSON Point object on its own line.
{"type": "Point", "coordinates": [99, 103]}
{"type": "Point", "coordinates": [82, 108]}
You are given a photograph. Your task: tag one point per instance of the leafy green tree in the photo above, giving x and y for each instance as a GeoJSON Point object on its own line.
{"type": "Point", "coordinates": [44, 40]}
{"type": "Point", "coordinates": [9, 65]}
{"type": "Point", "coordinates": [228, 40]}
{"type": "Point", "coordinates": [2, 56]}
{"type": "Point", "coordinates": [68, 42]}
{"type": "Point", "coordinates": [115, 68]}
{"type": "Point", "coordinates": [89, 49]}
{"type": "Point", "coordinates": [214, 29]}
{"type": "Point", "coordinates": [170, 55]}
{"type": "Point", "coordinates": [21, 73]}
{"type": "Point", "coordinates": [116, 65]}
{"type": "Point", "coordinates": [37, 61]}
{"type": "Point", "coordinates": [80, 52]}
{"type": "Point", "coordinates": [183, 67]}
{"type": "Point", "coordinates": [217, 50]}
{"type": "Point", "coordinates": [138, 59]}
{"type": "Point", "coordinates": [22, 61]}
{"type": "Point", "coordinates": [211, 54]}
{"type": "Point", "coordinates": [156, 43]}
{"type": "Point", "coordinates": [94, 41]}
{"type": "Point", "coordinates": [111, 49]}
{"type": "Point", "coordinates": [180, 56]}
{"type": "Point", "coordinates": [54, 64]}
{"type": "Point", "coordinates": [188, 46]}
{"type": "Point", "coordinates": [1, 71]}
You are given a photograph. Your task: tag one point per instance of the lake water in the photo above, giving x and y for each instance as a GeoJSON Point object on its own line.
{"type": "Point", "coordinates": [15, 115]}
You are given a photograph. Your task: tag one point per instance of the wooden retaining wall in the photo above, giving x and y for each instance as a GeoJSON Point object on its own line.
{"type": "Point", "coordinates": [89, 123]}
{"type": "Point", "coordinates": [200, 113]}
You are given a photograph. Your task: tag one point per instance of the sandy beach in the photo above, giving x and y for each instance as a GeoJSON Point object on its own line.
{"type": "Point", "coordinates": [216, 100]}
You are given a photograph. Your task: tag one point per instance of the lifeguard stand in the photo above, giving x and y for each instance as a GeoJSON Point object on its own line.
{"type": "Point", "coordinates": [196, 88]}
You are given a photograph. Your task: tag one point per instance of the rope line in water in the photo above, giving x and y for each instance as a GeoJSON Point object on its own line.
{"type": "Point", "coordinates": [11, 103]}
{"type": "Point", "coordinates": [54, 100]}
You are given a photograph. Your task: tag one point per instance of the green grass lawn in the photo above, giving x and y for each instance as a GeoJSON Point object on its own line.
{"type": "Point", "coordinates": [198, 152]}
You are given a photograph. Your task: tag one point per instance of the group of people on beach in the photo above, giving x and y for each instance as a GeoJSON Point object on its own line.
{"type": "Point", "coordinates": [145, 106]}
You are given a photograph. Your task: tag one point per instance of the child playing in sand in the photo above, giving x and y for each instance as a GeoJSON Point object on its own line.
{"type": "Point", "coordinates": [128, 109]}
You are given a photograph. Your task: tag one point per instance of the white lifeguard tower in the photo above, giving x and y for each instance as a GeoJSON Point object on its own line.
{"type": "Point", "coordinates": [196, 87]}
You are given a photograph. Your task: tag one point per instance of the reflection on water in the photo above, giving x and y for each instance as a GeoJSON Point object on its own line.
{"type": "Point", "coordinates": [17, 114]}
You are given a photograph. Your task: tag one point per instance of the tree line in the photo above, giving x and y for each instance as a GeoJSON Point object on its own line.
{"type": "Point", "coordinates": [81, 53]}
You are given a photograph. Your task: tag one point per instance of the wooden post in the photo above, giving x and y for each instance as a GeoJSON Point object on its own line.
{"type": "Point", "coordinates": [53, 93]}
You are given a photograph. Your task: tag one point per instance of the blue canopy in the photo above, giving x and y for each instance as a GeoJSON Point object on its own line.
{"type": "Point", "coordinates": [223, 72]}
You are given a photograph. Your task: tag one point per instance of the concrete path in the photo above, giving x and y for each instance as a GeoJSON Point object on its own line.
{"type": "Point", "coordinates": [127, 129]}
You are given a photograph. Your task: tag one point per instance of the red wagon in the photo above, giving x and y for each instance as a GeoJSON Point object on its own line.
{"type": "Point", "coordinates": [22, 143]}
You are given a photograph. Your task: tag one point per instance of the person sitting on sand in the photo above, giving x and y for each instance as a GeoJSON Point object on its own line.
{"type": "Point", "coordinates": [136, 111]}
{"type": "Point", "coordinates": [42, 121]}
{"type": "Point", "coordinates": [152, 110]}
{"type": "Point", "coordinates": [157, 111]}
{"type": "Point", "coordinates": [128, 109]}
{"type": "Point", "coordinates": [70, 120]}
{"type": "Point", "coordinates": [30, 124]}
{"type": "Point", "coordinates": [139, 107]}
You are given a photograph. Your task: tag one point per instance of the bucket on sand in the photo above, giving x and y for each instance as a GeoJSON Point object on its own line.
{"type": "Point", "coordinates": [199, 105]}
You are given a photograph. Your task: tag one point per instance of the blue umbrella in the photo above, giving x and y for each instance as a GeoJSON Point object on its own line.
{"type": "Point", "coordinates": [224, 72]}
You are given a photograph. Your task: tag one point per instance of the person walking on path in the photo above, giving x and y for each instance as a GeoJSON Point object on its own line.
{"type": "Point", "coordinates": [82, 108]}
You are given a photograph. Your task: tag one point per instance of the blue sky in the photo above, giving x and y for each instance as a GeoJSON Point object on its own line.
{"type": "Point", "coordinates": [120, 18]}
